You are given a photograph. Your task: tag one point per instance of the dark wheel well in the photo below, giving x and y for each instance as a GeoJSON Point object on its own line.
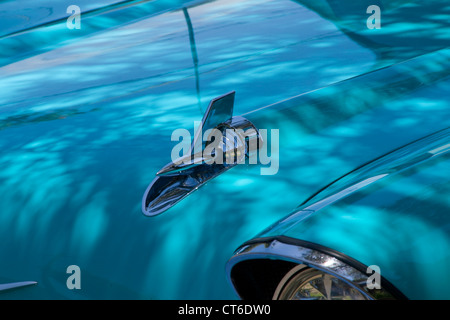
{"type": "Point", "coordinates": [258, 278]}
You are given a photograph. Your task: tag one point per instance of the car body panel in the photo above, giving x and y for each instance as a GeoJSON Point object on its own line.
{"type": "Point", "coordinates": [86, 120]}
{"type": "Point", "coordinates": [392, 213]}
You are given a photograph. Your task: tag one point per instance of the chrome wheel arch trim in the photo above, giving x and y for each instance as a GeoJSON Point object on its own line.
{"type": "Point", "coordinates": [310, 255]}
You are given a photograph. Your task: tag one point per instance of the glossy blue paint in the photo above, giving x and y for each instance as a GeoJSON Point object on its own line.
{"type": "Point", "coordinates": [392, 213]}
{"type": "Point", "coordinates": [86, 117]}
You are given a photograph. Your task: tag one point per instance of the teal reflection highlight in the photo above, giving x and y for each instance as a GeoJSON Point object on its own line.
{"type": "Point", "coordinates": [85, 123]}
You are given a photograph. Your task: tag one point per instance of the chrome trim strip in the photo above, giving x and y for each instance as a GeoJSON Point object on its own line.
{"type": "Point", "coordinates": [344, 193]}
{"type": "Point", "coordinates": [402, 158]}
{"type": "Point", "coordinates": [15, 285]}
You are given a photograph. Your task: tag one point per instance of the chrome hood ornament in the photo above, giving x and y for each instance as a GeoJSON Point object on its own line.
{"type": "Point", "coordinates": [230, 141]}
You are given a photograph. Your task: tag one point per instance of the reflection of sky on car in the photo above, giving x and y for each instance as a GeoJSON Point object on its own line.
{"type": "Point", "coordinates": [157, 52]}
{"type": "Point", "coordinates": [18, 16]}
{"type": "Point", "coordinates": [85, 123]}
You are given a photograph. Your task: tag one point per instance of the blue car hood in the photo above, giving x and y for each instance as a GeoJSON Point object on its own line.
{"type": "Point", "coordinates": [86, 118]}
